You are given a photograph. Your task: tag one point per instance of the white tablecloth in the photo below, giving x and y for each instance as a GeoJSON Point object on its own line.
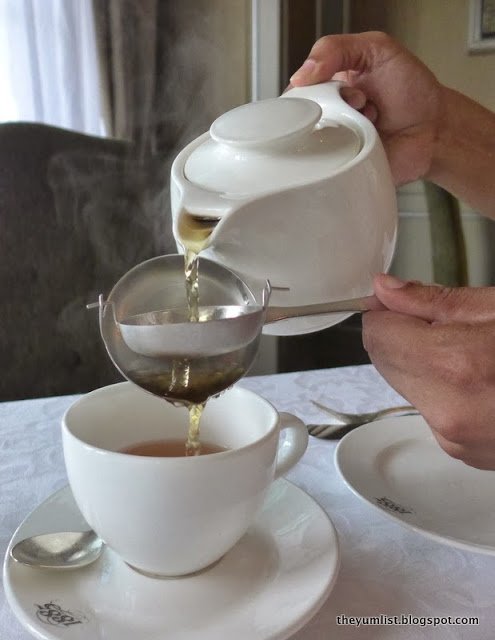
{"type": "Point", "coordinates": [386, 569]}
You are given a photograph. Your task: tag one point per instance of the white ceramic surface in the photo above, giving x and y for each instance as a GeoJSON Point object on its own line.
{"type": "Point", "coordinates": [316, 216]}
{"type": "Point", "coordinates": [263, 123]}
{"type": "Point", "coordinates": [397, 466]}
{"type": "Point", "coordinates": [174, 516]}
{"type": "Point", "coordinates": [254, 161]}
{"type": "Point", "coordinates": [266, 587]}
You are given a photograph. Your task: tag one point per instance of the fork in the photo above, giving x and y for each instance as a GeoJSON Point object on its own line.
{"type": "Point", "coordinates": [349, 421]}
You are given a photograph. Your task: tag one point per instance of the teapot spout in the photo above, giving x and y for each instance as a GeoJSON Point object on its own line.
{"type": "Point", "coordinates": [191, 197]}
{"type": "Point", "coordinates": [202, 203]}
{"type": "Point", "coordinates": [195, 210]}
{"type": "Point", "coordinates": [196, 216]}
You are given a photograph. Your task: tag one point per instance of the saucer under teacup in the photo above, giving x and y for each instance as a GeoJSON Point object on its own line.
{"type": "Point", "coordinates": [248, 594]}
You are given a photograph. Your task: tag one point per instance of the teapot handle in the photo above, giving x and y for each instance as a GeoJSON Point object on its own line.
{"type": "Point", "coordinates": [327, 95]}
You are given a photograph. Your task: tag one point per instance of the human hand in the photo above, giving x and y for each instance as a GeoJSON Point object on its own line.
{"type": "Point", "coordinates": [390, 86]}
{"type": "Point", "coordinates": [436, 347]}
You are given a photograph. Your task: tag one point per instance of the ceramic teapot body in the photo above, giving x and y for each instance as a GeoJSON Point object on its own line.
{"type": "Point", "coordinates": [307, 202]}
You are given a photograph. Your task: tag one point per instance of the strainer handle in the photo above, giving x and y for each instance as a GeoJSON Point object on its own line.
{"type": "Point", "coordinates": [355, 305]}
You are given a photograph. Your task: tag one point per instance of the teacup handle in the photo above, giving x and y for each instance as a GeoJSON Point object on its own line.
{"type": "Point", "coordinates": [293, 447]}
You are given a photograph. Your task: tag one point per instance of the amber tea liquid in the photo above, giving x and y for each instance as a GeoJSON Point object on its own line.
{"type": "Point", "coordinates": [168, 448]}
{"type": "Point", "coordinates": [191, 382]}
{"type": "Point", "coordinates": [193, 234]}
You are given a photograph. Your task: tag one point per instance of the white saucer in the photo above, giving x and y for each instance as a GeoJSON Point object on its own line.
{"type": "Point", "coordinates": [267, 587]}
{"type": "Point", "coordinates": [397, 466]}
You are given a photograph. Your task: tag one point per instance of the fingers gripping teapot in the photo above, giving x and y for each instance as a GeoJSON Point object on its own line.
{"type": "Point", "coordinates": [298, 191]}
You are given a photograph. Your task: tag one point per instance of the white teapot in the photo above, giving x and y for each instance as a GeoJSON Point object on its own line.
{"type": "Point", "coordinates": [303, 194]}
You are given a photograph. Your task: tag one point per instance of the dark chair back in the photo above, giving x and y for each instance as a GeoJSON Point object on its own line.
{"type": "Point", "coordinates": [76, 212]}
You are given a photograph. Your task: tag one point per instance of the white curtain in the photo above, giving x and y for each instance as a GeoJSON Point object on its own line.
{"type": "Point", "coordinates": [49, 65]}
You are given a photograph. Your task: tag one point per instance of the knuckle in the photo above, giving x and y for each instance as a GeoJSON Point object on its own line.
{"type": "Point", "coordinates": [450, 424]}
{"type": "Point", "coordinates": [381, 38]}
{"type": "Point", "coordinates": [452, 432]}
{"type": "Point", "coordinates": [453, 450]}
{"type": "Point", "coordinates": [445, 300]}
{"type": "Point", "coordinates": [382, 44]}
{"type": "Point", "coordinates": [324, 43]}
{"type": "Point", "coordinates": [467, 455]}
{"type": "Point", "coordinates": [456, 362]}
{"type": "Point", "coordinates": [459, 370]}
{"type": "Point", "coordinates": [456, 301]}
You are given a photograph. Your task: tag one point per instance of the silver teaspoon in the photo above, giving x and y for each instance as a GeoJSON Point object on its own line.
{"type": "Point", "coordinates": [61, 550]}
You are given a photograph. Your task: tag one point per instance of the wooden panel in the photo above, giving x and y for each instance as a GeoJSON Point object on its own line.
{"type": "Point", "coordinates": [298, 34]}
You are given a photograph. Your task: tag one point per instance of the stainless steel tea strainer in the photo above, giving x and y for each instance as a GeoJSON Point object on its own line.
{"type": "Point", "coordinates": [144, 323]}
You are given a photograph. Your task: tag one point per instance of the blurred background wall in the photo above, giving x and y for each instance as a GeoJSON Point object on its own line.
{"type": "Point", "coordinates": [437, 32]}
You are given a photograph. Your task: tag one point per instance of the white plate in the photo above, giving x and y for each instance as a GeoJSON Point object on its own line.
{"type": "Point", "coordinates": [267, 587]}
{"type": "Point", "coordinates": [397, 466]}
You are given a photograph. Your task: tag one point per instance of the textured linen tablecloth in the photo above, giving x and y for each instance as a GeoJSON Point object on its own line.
{"type": "Point", "coordinates": [385, 568]}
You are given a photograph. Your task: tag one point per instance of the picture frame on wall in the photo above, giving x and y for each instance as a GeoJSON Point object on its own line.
{"type": "Point", "coordinates": [481, 37]}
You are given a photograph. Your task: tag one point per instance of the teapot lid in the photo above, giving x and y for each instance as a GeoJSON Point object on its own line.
{"type": "Point", "coordinates": [270, 145]}
{"type": "Point", "coordinates": [265, 122]}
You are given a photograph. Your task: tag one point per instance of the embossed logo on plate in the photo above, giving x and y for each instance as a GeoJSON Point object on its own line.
{"type": "Point", "coordinates": [389, 504]}
{"type": "Point", "coordinates": [53, 614]}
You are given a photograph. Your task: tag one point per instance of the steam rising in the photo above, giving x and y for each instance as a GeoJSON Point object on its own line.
{"type": "Point", "coordinates": [166, 92]}
{"type": "Point", "coordinates": [112, 196]}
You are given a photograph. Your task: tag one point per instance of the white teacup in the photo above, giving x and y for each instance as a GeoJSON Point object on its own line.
{"type": "Point", "coordinates": [173, 516]}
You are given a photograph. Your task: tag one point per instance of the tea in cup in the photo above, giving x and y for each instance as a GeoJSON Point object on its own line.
{"type": "Point", "coordinates": [163, 513]}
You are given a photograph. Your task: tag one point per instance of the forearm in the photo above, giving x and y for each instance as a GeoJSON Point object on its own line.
{"type": "Point", "coordinates": [464, 153]}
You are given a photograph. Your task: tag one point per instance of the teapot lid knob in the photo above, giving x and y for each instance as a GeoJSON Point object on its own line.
{"type": "Point", "coordinates": [265, 122]}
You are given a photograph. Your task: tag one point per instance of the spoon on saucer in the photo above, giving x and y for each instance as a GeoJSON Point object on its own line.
{"type": "Point", "coordinates": [59, 550]}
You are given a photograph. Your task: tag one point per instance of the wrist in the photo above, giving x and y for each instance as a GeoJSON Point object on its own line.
{"type": "Point", "coordinates": [463, 153]}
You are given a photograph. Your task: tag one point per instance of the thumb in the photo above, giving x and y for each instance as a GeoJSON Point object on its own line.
{"type": "Point", "coordinates": [344, 52]}
{"type": "Point", "coordinates": [434, 302]}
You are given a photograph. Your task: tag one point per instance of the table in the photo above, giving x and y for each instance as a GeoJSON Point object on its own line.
{"type": "Point", "coordinates": [385, 569]}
